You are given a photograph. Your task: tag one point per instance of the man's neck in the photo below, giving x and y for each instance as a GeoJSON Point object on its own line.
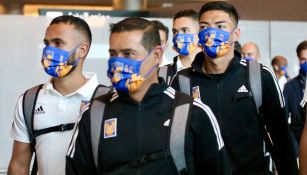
{"type": "Point", "coordinates": [70, 83]}
{"type": "Point", "coordinates": [278, 75]}
{"type": "Point", "coordinates": [140, 93]}
{"type": "Point", "coordinates": [186, 61]}
{"type": "Point", "coordinates": [218, 65]}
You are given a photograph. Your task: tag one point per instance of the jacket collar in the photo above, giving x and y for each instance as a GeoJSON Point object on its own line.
{"type": "Point", "coordinates": [154, 90]}
{"type": "Point", "coordinates": [302, 79]}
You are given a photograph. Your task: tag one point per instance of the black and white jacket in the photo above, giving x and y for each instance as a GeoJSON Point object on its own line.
{"type": "Point", "coordinates": [143, 128]}
{"type": "Point", "coordinates": [230, 98]}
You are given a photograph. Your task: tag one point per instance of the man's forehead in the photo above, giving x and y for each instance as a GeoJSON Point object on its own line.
{"type": "Point", "coordinates": [126, 40]}
{"type": "Point", "coordinates": [216, 15]}
{"type": "Point", "coordinates": [249, 48]}
{"type": "Point", "coordinates": [184, 22]}
{"type": "Point", "coordinates": [134, 35]}
{"type": "Point", "coordinates": [303, 53]}
{"type": "Point", "coordinates": [60, 30]}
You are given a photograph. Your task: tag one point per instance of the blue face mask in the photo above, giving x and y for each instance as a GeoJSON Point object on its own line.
{"type": "Point", "coordinates": [284, 68]}
{"type": "Point", "coordinates": [303, 67]}
{"type": "Point", "coordinates": [249, 59]}
{"type": "Point", "coordinates": [55, 61]}
{"type": "Point", "coordinates": [124, 73]}
{"type": "Point", "coordinates": [214, 41]}
{"type": "Point", "coordinates": [184, 43]}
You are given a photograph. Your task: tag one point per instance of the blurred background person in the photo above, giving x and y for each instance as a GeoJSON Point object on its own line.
{"type": "Point", "coordinates": [279, 64]}
{"type": "Point", "coordinates": [185, 43]}
{"type": "Point", "coordinates": [250, 51]}
{"type": "Point", "coordinates": [163, 31]}
{"type": "Point", "coordinates": [293, 93]}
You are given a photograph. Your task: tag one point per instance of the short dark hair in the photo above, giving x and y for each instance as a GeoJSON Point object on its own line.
{"type": "Point", "coordinates": [186, 13]}
{"type": "Point", "coordinates": [160, 26]}
{"type": "Point", "coordinates": [151, 36]}
{"type": "Point", "coordinates": [300, 47]}
{"type": "Point", "coordinates": [221, 5]}
{"type": "Point", "coordinates": [78, 23]}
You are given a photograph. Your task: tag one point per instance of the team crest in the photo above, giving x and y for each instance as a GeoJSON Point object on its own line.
{"type": "Point", "coordinates": [83, 105]}
{"type": "Point", "coordinates": [110, 128]}
{"type": "Point", "coordinates": [196, 92]}
{"type": "Point", "coordinates": [49, 54]}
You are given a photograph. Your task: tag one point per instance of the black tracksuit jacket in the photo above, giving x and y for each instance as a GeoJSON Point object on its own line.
{"type": "Point", "coordinates": [141, 130]}
{"type": "Point", "coordinates": [229, 97]}
{"type": "Point", "coordinates": [171, 70]}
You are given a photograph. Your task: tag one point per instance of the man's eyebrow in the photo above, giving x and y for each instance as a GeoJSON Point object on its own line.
{"type": "Point", "coordinates": [202, 22]}
{"type": "Point", "coordinates": [218, 22]}
{"type": "Point", "coordinates": [184, 28]}
{"type": "Point", "coordinates": [174, 30]}
{"type": "Point", "coordinates": [123, 50]}
{"type": "Point", "coordinates": [54, 40]}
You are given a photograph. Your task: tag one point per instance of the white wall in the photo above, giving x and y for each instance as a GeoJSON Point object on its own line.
{"type": "Point", "coordinates": [21, 47]}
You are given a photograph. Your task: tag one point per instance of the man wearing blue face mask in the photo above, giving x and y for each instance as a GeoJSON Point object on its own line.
{"type": "Point", "coordinates": [294, 91]}
{"type": "Point", "coordinates": [45, 115]}
{"type": "Point", "coordinates": [250, 51]}
{"type": "Point", "coordinates": [280, 67]}
{"type": "Point", "coordinates": [136, 130]}
{"type": "Point", "coordinates": [185, 43]}
{"type": "Point", "coordinates": [220, 78]}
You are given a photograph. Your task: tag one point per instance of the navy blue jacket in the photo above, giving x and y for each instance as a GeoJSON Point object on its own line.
{"type": "Point", "coordinates": [293, 92]}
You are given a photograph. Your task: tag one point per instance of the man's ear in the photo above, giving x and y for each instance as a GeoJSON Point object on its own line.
{"type": "Point", "coordinates": [165, 46]}
{"type": "Point", "coordinates": [83, 49]}
{"type": "Point", "coordinates": [236, 35]}
{"type": "Point", "coordinates": [158, 53]}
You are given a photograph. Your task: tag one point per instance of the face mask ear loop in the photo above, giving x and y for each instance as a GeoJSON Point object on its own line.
{"type": "Point", "coordinates": [149, 53]}
{"type": "Point", "coordinates": [73, 51]}
{"type": "Point", "coordinates": [76, 62]}
{"type": "Point", "coordinates": [153, 68]}
{"type": "Point", "coordinates": [230, 44]}
{"type": "Point", "coordinates": [150, 71]}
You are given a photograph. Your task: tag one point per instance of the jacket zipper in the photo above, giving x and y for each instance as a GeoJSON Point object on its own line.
{"type": "Point", "coordinates": [139, 132]}
{"type": "Point", "coordinates": [219, 99]}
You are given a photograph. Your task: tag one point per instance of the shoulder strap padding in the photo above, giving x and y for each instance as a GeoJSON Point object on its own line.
{"type": "Point", "coordinates": [97, 111]}
{"type": "Point", "coordinates": [101, 90]}
{"type": "Point", "coordinates": [163, 72]}
{"type": "Point", "coordinates": [254, 77]}
{"type": "Point", "coordinates": [179, 126]}
{"type": "Point", "coordinates": [184, 84]}
{"type": "Point", "coordinates": [97, 108]}
{"type": "Point", "coordinates": [28, 105]}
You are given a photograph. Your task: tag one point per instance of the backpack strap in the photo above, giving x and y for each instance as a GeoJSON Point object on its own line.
{"type": "Point", "coordinates": [28, 105]}
{"type": "Point", "coordinates": [184, 84]}
{"type": "Point", "coordinates": [163, 73]}
{"type": "Point", "coordinates": [101, 90]}
{"type": "Point", "coordinates": [179, 127]}
{"type": "Point", "coordinates": [255, 83]}
{"type": "Point", "coordinates": [254, 77]}
{"type": "Point", "coordinates": [97, 108]}
{"type": "Point", "coordinates": [57, 128]}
